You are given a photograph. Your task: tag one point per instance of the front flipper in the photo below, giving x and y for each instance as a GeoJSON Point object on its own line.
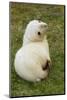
{"type": "Point", "coordinates": [47, 66]}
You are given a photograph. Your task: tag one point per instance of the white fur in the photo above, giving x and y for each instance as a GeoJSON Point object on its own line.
{"type": "Point", "coordinates": [34, 53]}
{"type": "Point", "coordinates": [31, 32]}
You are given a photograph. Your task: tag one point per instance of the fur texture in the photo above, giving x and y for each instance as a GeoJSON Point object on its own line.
{"type": "Point", "coordinates": [31, 60]}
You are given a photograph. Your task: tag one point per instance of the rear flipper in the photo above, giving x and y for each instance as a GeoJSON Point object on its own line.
{"type": "Point", "coordinates": [42, 76]}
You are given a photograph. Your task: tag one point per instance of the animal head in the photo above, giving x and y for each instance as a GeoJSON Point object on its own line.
{"type": "Point", "coordinates": [34, 32]}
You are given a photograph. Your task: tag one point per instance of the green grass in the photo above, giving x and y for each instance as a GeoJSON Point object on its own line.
{"type": "Point", "coordinates": [53, 15]}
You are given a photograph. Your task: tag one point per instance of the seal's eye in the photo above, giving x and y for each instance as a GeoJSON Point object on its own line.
{"type": "Point", "coordinates": [39, 33]}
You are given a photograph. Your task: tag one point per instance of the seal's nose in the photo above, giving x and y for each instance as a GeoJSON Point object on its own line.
{"type": "Point", "coordinates": [43, 24]}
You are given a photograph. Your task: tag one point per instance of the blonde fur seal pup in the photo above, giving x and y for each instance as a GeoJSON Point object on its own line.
{"type": "Point", "coordinates": [32, 60]}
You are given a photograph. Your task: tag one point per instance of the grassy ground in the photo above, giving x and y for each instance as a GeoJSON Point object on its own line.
{"type": "Point", "coordinates": [20, 15]}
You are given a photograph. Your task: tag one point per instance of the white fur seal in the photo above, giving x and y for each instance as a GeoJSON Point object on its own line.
{"type": "Point", "coordinates": [32, 61]}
